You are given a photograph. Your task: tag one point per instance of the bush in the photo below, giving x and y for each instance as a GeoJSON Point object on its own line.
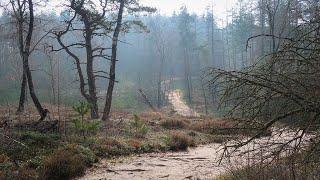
{"type": "Point", "coordinates": [4, 158]}
{"type": "Point", "coordinates": [178, 141]}
{"type": "Point", "coordinates": [63, 165]}
{"type": "Point", "coordinates": [174, 124]}
{"type": "Point", "coordinates": [21, 173]}
{"type": "Point", "coordinates": [85, 153]}
{"type": "Point", "coordinates": [84, 127]}
{"type": "Point", "coordinates": [136, 144]}
{"type": "Point", "coordinates": [39, 139]}
{"type": "Point", "coordinates": [80, 124]}
{"type": "Point", "coordinates": [5, 162]}
{"type": "Point", "coordinates": [213, 127]}
{"type": "Point", "coordinates": [138, 128]}
{"type": "Point", "coordinates": [110, 147]}
{"type": "Point", "coordinates": [35, 162]}
{"type": "Point", "coordinates": [222, 127]}
{"type": "Point", "coordinates": [296, 166]}
{"type": "Point", "coordinates": [32, 144]}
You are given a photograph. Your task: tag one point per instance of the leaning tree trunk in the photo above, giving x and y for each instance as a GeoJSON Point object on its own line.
{"type": "Point", "coordinates": [25, 52]}
{"type": "Point", "coordinates": [41, 111]}
{"type": "Point", "coordinates": [107, 108]}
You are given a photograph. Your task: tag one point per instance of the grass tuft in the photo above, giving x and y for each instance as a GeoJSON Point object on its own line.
{"type": "Point", "coordinates": [178, 140]}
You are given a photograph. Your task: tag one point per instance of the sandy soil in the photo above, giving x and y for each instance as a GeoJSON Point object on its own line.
{"type": "Point", "coordinates": [179, 106]}
{"type": "Point", "coordinates": [200, 162]}
{"type": "Point", "coordinates": [196, 163]}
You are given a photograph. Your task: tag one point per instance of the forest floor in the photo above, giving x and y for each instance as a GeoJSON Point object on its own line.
{"type": "Point", "coordinates": [127, 136]}
{"type": "Point", "coordinates": [199, 162]}
{"type": "Point", "coordinates": [202, 162]}
{"type": "Point", "coordinates": [171, 144]}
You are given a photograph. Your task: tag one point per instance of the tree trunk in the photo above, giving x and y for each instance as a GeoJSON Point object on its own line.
{"type": "Point", "coordinates": [22, 93]}
{"type": "Point", "coordinates": [146, 100]}
{"type": "Point", "coordinates": [41, 111]}
{"type": "Point", "coordinates": [204, 97]}
{"type": "Point", "coordinates": [187, 76]}
{"type": "Point", "coordinates": [262, 26]}
{"type": "Point", "coordinates": [91, 78]}
{"type": "Point", "coordinates": [107, 108]}
{"type": "Point", "coordinates": [24, 47]}
{"type": "Point", "coordinates": [27, 71]}
{"type": "Point", "coordinates": [159, 98]}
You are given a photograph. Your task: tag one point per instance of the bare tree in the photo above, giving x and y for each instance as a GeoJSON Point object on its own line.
{"type": "Point", "coordinates": [291, 94]}
{"type": "Point", "coordinates": [162, 48]}
{"type": "Point", "coordinates": [187, 42]}
{"type": "Point", "coordinates": [23, 14]}
{"type": "Point", "coordinates": [133, 7]}
{"type": "Point", "coordinates": [112, 71]}
{"type": "Point", "coordinates": [93, 20]}
{"type": "Point", "coordinates": [93, 24]}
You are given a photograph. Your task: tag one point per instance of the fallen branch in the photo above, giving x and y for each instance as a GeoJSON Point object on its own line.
{"type": "Point", "coordinates": [147, 101]}
{"type": "Point", "coordinates": [15, 141]}
{"type": "Point", "coordinates": [132, 170]}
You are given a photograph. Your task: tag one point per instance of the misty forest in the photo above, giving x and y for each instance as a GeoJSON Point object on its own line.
{"type": "Point", "coordinates": [116, 89]}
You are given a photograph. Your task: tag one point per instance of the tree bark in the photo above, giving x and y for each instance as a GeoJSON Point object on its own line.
{"type": "Point", "coordinates": [107, 108]}
{"type": "Point", "coordinates": [24, 47]}
{"type": "Point", "coordinates": [160, 98]}
{"type": "Point", "coordinates": [91, 23]}
{"type": "Point", "coordinates": [41, 111]}
{"type": "Point", "coordinates": [19, 17]}
{"type": "Point", "coordinates": [187, 76]}
{"type": "Point", "coordinates": [91, 79]}
{"type": "Point", "coordinates": [22, 93]}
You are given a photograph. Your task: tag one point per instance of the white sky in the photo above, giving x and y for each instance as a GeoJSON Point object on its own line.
{"type": "Point", "coordinates": [167, 7]}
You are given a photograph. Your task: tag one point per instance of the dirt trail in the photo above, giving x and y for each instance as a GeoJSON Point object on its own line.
{"type": "Point", "coordinates": [200, 162]}
{"type": "Point", "coordinates": [176, 100]}
{"type": "Point", "coordinates": [196, 163]}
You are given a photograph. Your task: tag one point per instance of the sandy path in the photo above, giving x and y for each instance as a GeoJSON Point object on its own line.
{"type": "Point", "coordinates": [196, 163]}
{"type": "Point", "coordinates": [176, 100]}
{"type": "Point", "coordinates": [200, 162]}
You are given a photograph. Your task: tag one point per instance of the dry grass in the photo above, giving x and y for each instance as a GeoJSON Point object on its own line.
{"type": "Point", "coordinates": [214, 126]}
{"type": "Point", "coordinates": [21, 173]}
{"type": "Point", "coordinates": [286, 168]}
{"type": "Point", "coordinates": [178, 140]}
{"type": "Point", "coordinates": [110, 147]}
{"type": "Point", "coordinates": [113, 142]}
{"type": "Point", "coordinates": [175, 123]}
{"type": "Point", "coordinates": [63, 164]}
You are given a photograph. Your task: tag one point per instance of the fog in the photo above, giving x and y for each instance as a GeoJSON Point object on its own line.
{"type": "Point", "coordinates": [229, 80]}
